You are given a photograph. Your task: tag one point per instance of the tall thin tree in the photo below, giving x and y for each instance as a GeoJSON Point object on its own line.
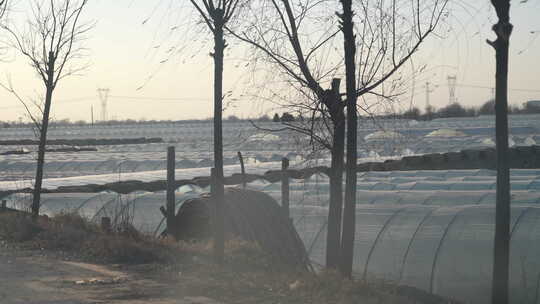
{"type": "Point", "coordinates": [349, 215]}
{"type": "Point", "coordinates": [501, 261]}
{"type": "Point", "coordinates": [51, 41]}
{"type": "Point", "coordinates": [217, 14]}
{"type": "Point", "coordinates": [379, 53]}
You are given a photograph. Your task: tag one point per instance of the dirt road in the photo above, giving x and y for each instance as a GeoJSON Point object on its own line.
{"type": "Point", "coordinates": [28, 277]}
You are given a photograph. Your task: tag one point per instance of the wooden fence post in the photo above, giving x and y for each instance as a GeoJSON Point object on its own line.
{"type": "Point", "coordinates": [285, 186]}
{"type": "Point", "coordinates": [243, 168]}
{"type": "Point", "coordinates": [106, 224]}
{"type": "Point", "coordinates": [212, 181]}
{"type": "Point", "coordinates": [219, 218]}
{"type": "Point", "coordinates": [171, 162]}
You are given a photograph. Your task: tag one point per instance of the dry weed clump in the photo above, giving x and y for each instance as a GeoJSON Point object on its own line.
{"type": "Point", "coordinates": [69, 232]}
{"type": "Point", "coordinates": [65, 232]}
{"type": "Point", "coordinates": [18, 227]}
{"type": "Point", "coordinates": [72, 233]}
{"type": "Point", "coordinates": [330, 286]}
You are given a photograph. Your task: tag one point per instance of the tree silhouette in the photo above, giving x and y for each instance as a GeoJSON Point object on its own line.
{"type": "Point", "coordinates": [488, 108]}
{"type": "Point", "coordinates": [287, 117]}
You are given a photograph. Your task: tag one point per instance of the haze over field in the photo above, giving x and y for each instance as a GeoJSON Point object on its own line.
{"type": "Point", "coordinates": [132, 44]}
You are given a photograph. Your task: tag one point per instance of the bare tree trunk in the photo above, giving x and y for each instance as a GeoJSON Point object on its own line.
{"type": "Point", "coordinates": [501, 260]}
{"type": "Point", "coordinates": [349, 214]}
{"type": "Point", "coordinates": [219, 48]}
{"type": "Point", "coordinates": [335, 209]}
{"type": "Point", "coordinates": [36, 202]}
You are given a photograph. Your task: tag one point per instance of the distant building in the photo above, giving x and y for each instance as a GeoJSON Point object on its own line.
{"type": "Point", "coordinates": [532, 106]}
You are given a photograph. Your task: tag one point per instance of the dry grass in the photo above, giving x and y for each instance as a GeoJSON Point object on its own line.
{"type": "Point", "coordinates": [18, 227]}
{"type": "Point", "coordinates": [233, 285]}
{"type": "Point", "coordinates": [74, 234]}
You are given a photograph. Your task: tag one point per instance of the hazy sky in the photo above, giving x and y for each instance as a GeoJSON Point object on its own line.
{"type": "Point", "coordinates": [126, 53]}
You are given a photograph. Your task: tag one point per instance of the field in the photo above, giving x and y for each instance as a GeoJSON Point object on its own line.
{"type": "Point", "coordinates": [431, 230]}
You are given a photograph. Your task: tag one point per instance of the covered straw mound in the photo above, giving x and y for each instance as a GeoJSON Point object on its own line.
{"type": "Point", "coordinates": [249, 215]}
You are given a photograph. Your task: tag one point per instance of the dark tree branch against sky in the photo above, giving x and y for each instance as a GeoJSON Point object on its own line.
{"type": "Point", "coordinates": [3, 7]}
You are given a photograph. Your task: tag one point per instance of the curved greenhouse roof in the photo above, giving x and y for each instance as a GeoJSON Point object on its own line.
{"type": "Point", "coordinates": [446, 133]}
{"type": "Point", "coordinates": [384, 135]}
{"type": "Point", "coordinates": [264, 137]}
{"type": "Point", "coordinates": [441, 250]}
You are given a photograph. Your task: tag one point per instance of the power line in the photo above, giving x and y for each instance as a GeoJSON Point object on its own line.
{"type": "Point", "coordinates": [126, 99]}
{"type": "Point", "coordinates": [161, 98]}
{"type": "Point", "coordinates": [71, 100]}
{"type": "Point", "coordinates": [490, 87]}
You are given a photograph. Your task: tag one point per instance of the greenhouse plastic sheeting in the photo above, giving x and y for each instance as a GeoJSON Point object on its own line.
{"type": "Point", "coordinates": [409, 137]}
{"type": "Point", "coordinates": [442, 250]}
{"type": "Point", "coordinates": [140, 209]}
{"type": "Point", "coordinates": [315, 191]}
{"type": "Point", "coordinates": [480, 179]}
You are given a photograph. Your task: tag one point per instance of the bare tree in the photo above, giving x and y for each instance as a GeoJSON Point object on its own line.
{"type": "Point", "coordinates": [501, 261]}
{"type": "Point", "coordinates": [276, 37]}
{"type": "Point", "coordinates": [216, 15]}
{"type": "Point", "coordinates": [301, 40]}
{"type": "Point", "coordinates": [50, 42]}
{"type": "Point", "coordinates": [374, 51]}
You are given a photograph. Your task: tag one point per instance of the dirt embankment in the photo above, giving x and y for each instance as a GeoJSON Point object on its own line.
{"type": "Point", "coordinates": [526, 157]}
